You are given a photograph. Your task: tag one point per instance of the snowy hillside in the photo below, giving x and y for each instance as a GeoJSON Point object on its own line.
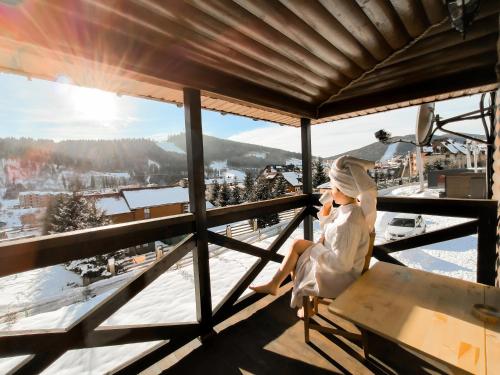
{"type": "Point", "coordinates": [170, 147]}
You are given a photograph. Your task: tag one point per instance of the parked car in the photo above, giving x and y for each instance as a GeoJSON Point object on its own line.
{"type": "Point", "coordinates": [404, 225]}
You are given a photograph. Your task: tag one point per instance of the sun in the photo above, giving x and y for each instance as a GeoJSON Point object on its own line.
{"type": "Point", "coordinates": [94, 105]}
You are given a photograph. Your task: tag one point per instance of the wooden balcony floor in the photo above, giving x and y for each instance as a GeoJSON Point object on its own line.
{"type": "Point", "coordinates": [266, 341]}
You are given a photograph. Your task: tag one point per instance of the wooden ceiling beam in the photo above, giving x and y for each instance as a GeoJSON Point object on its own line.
{"type": "Point", "coordinates": [455, 53]}
{"type": "Point", "coordinates": [319, 19]}
{"type": "Point", "coordinates": [286, 22]}
{"type": "Point", "coordinates": [385, 19]}
{"type": "Point", "coordinates": [208, 26]}
{"type": "Point", "coordinates": [224, 54]}
{"type": "Point", "coordinates": [454, 82]}
{"type": "Point", "coordinates": [484, 60]}
{"type": "Point", "coordinates": [200, 53]}
{"type": "Point", "coordinates": [435, 10]}
{"type": "Point", "coordinates": [412, 15]}
{"type": "Point", "coordinates": [352, 17]}
{"type": "Point", "coordinates": [487, 8]}
{"type": "Point", "coordinates": [176, 72]}
{"type": "Point", "coordinates": [245, 22]}
{"type": "Point", "coordinates": [444, 40]}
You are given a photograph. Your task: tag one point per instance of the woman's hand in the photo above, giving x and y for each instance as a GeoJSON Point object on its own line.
{"type": "Point", "coordinates": [322, 239]}
{"type": "Point", "coordinates": [325, 210]}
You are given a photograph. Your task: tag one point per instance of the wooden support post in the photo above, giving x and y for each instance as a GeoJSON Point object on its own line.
{"type": "Point", "coordinates": [305, 125]}
{"type": "Point", "coordinates": [496, 162]}
{"type": "Point", "coordinates": [196, 176]}
{"type": "Point", "coordinates": [496, 178]}
{"type": "Point", "coordinates": [487, 258]}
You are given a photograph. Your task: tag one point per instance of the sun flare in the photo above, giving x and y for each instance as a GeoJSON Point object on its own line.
{"type": "Point", "coordinates": [94, 105]}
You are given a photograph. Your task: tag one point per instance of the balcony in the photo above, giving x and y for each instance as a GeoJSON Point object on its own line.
{"type": "Point", "coordinates": [291, 63]}
{"type": "Point", "coordinates": [29, 254]}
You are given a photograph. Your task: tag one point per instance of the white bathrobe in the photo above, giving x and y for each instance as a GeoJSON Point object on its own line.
{"type": "Point", "coordinates": [326, 270]}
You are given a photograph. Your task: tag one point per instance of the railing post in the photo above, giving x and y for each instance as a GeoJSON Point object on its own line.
{"type": "Point", "coordinates": [305, 125]}
{"type": "Point", "coordinates": [487, 259]}
{"type": "Point", "coordinates": [196, 177]}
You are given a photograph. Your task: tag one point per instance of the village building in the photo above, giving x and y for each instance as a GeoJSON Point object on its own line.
{"type": "Point", "coordinates": [115, 208]}
{"type": "Point", "coordinates": [38, 199]}
{"type": "Point", "coordinates": [290, 173]}
{"type": "Point", "coordinates": [148, 203]}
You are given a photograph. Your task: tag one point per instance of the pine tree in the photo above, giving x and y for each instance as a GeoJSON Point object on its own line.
{"type": "Point", "coordinates": [63, 180]}
{"type": "Point", "coordinates": [262, 193]}
{"type": "Point", "coordinates": [69, 213]}
{"type": "Point", "coordinates": [225, 195]}
{"type": "Point", "coordinates": [319, 176]}
{"type": "Point", "coordinates": [249, 187]}
{"type": "Point", "coordinates": [92, 182]}
{"type": "Point", "coordinates": [261, 190]}
{"type": "Point", "coordinates": [214, 194]}
{"type": "Point", "coordinates": [236, 195]}
{"type": "Point", "coordinates": [279, 188]}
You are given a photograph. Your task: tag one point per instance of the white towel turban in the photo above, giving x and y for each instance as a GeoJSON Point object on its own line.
{"type": "Point", "coordinates": [350, 176]}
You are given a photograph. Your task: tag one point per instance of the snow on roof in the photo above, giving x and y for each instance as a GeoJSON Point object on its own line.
{"type": "Point", "coordinates": [293, 178]}
{"type": "Point", "coordinates": [406, 216]}
{"type": "Point", "coordinates": [460, 147]}
{"type": "Point", "coordinates": [141, 198]}
{"type": "Point", "coordinates": [112, 205]}
{"type": "Point", "coordinates": [294, 161]}
{"type": "Point", "coordinates": [22, 193]}
{"type": "Point", "coordinates": [450, 147]}
{"type": "Point", "coordinates": [211, 181]}
{"type": "Point", "coordinates": [326, 185]}
{"type": "Point", "coordinates": [234, 175]}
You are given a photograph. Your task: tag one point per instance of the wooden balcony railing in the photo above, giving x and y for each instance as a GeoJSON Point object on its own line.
{"type": "Point", "coordinates": [47, 345]}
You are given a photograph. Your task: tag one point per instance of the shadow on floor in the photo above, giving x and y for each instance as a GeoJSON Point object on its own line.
{"type": "Point", "coordinates": [270, 341]}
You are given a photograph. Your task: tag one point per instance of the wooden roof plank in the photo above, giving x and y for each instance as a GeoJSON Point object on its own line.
{"type": "Point", "coordinates": [385, 19]}
{"type": "Point", "coordinates": [412, 15]}
{"type": "Point", "coordinates": [214, 29]}
{"type": "Point", "coordinates": [455, 82]}
{"type": "Point", "coordinates": [319, 19]}
{"type": "Point", "coordinates": [283, 20]}
{"type": "Point", "coordinates": [245, 22]}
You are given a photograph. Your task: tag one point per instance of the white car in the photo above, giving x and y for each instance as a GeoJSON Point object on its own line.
{"type": "Point", "coordinates": [404, 225]}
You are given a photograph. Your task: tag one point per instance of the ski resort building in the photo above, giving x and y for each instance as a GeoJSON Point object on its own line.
{"type": "Point", "coordinates": [293, 63]}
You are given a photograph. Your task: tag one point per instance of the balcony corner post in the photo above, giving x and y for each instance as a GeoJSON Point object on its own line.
{"type": "Point", "coordinates": [196, 176]}
{"type": "Point", "coordinates": [496, 174]}
{"type": "Point", "coordinates": [305, 125]}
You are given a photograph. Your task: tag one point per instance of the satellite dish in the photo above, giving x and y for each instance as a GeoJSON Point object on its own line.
{"type": "Point", "coordinates": [423, 130]}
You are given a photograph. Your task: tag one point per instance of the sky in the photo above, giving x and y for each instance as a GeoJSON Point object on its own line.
{"type": "Point", "coordinates": [58, 110]}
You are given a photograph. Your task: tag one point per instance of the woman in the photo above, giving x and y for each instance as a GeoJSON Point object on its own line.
{"type": "Point", "coordinates": [329, 266]}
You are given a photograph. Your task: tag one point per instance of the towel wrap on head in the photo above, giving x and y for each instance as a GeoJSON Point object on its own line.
{"type": "Point", "coordinates": [349, 175]}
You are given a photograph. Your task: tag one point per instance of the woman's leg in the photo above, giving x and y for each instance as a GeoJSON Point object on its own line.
{"type": "Point", "coordinates": [287, 266]}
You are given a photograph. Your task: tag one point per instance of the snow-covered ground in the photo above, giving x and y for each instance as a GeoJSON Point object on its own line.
{"type": "Point", "coordinates": [171, 298]}
{"type": "Point", "coordinates": [455, 258]}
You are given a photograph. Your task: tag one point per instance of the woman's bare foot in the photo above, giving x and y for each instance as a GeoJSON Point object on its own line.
{"type": "Point", "coordinates": [268, 288]}
{"type": "Point", "coordinates": [300, 312]}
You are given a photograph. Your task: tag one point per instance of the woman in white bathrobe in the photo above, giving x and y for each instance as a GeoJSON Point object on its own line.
{"type": "Point", "coordinates": [329, 266]}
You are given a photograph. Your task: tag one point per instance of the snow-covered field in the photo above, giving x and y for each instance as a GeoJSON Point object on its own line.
{"type": "Point", "coordinates": [170, 298]}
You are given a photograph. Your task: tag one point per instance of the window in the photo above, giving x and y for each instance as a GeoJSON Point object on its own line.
{"type": "Point", "coordinates": [147, 213]}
